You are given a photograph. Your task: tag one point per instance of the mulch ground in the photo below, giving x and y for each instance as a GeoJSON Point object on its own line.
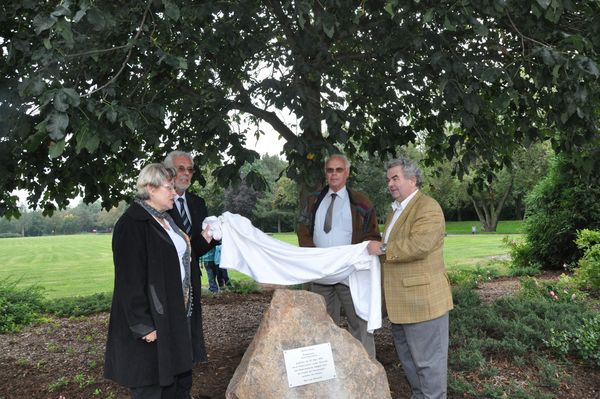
{"type": "Point", "coordinates": [63, 358]}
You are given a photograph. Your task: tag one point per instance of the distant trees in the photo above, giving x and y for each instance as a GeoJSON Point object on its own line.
{"type": "Point", "coordinates": [82, 218]}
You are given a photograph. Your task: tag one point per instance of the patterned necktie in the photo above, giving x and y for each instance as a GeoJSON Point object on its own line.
{"type": "Point", "coordinates": [187, 226]}
{"type": "Point", "coordinates": [329, 214]}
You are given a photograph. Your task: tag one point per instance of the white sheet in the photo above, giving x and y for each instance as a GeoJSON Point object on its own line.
{"type": "Point", "coordinates": [271, 261]}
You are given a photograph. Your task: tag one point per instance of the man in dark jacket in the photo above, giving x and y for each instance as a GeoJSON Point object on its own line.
{"type": "Point", "coordinates": [189, 209]}
{"type": "Point", "coordinates": [339, 216]}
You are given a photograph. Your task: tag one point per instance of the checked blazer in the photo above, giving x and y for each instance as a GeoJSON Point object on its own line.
{"type": "Point", "coordinates": [415, 282]}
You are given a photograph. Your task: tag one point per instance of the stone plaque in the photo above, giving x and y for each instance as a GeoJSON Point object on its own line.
{"type": "Point", "coordinates": [309, 364]}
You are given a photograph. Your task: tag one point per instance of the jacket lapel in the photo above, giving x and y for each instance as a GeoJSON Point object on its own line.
{"type": "Point", "coordinates": [404, 215]}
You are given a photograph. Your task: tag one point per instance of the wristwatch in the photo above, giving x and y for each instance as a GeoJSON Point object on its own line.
{"type": "Point", "coordinates": [382, 248]}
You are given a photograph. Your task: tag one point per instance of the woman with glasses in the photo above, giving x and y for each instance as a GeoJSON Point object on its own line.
{"type": "Point", "coordinates": [155, 329]}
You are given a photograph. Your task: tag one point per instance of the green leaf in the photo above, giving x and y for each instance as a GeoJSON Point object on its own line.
{"type": "Point", "coordinates": [111, 115]}
{"type": "Point", "coordinates": [57, 125]}
{"type": "Point", "coordinates": [449, 25]}
{"type": "Point", "coordinates": [172, 10]}
{"type": "Point", "coordinates": [72, 96]}
{"type": "Point", "coordinates": [42, 23]}
{"type": "Point", "coordinates": [389, 8]}
{"type": "Point", "coordinates": [544, 3]}
{"type": "Point", "coordinates": [62, 9]}
{"type": "Point", "coordinates": [56, 148]}
{"type": "Point", "coordinates": [86, 139]}
{"type": "Point", "coordinates": [428, 17]}
{"type": "Point", "coordinates": [64, 28]}
{"type": "Point", "coordinates": [60, 101]}
{"type": "Point", "coordinates": [83, 7]}
{"type": "Point", "coordinates": [328, 29]}
{"type": "Point", "coordinates": [47, 43]}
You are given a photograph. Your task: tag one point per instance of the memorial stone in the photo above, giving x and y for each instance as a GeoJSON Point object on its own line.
{"type": "Point", "coordinates": [296, 334]}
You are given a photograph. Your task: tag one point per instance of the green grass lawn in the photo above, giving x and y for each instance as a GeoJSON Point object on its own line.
{"type": "Point", "coordinates": [82, 264]}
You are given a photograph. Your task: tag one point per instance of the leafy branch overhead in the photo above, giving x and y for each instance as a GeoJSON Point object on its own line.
{"type": "Point", "coordinates": [91, 90]}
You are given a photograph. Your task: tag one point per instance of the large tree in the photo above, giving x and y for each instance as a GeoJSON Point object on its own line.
{"type": "Point", "coordinates": [91, 90]}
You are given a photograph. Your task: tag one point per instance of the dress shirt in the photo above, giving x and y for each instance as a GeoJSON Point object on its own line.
{"type": "Point", "coordinates": [397, 212]}
{"type": "Point", "coordinates": [341, 226]}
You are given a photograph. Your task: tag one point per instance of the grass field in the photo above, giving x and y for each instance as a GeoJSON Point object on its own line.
{"type": "Point", "coordinates": [82, 264]}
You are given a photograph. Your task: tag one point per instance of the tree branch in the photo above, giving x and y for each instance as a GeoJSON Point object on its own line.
{"type": "Point", "coordinates": [131, 45]}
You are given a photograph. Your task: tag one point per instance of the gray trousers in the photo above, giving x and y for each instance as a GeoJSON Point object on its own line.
{"type": "Point", "coordinates": [423, 351]}
{"type": "Point", "coordinates": [338, 295]}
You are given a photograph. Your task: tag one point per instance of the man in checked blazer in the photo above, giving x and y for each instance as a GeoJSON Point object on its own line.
{"type": "Point", "coordinates": [416, 286]}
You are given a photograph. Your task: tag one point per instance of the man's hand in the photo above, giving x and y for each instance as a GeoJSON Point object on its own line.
{"type": "Point", "coordinates": [150, 337]}
{"type": "Point", "coordinates": [374, 248]}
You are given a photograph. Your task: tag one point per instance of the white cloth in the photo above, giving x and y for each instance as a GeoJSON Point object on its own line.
{"type": "Point", "coordinates": [270, 261]}
{"type": "Point", "coordinates": [214, 225]}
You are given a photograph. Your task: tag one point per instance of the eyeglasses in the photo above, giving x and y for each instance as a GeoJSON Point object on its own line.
{"type": "Point", "coordinates": [336, 170]}
{"type": "Point", "coordinates": [169, 187]}
{"type": "Point", "coordinates": [182, 169]}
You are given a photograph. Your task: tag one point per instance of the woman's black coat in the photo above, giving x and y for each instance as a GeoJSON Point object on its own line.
{"type": "Point", "coordinates": [147, 297]}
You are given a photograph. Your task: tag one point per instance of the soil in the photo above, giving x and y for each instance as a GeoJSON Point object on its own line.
{"type": "Point", "coordinates": [63, 358]}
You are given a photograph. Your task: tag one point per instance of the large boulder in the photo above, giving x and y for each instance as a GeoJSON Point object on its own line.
{"type": "Point", "coordinates": [298, 319]}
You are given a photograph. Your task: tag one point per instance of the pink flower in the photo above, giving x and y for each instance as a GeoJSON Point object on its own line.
{"type": "Point", "coordinates": [552, 293]}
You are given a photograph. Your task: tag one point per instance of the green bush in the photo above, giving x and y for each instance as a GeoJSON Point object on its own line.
{"type": "Point", "coordinates": [582, 340]}
{"type": "Point", "coordinates": [562, 203]}
{"type": "Point", "coordinates": [79, 305]}
{"type": "Point", "coordinates": [19, 306]}
{"type": "Point", "coordinates": [587, 274]}
{"type": "Point", "coordinates": [244, 286]}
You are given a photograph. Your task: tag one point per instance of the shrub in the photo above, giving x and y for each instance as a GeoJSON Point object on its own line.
{"type": "Point", "coordinates": [562, 203]}
{"type": "Point", "coordinates": [565, 289]}
{"type": "Point", "coordinates": [587, 274]}
{"type": "Point", "coordinates": [19, 306]}
{"type": "Point", "coordinates": [244, 286]}
{"type": "Point", "coordinates": [582, 340]}
{"type": "Point", "coordinates": [79, 305]}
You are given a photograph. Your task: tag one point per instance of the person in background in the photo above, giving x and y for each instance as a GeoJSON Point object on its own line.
{"type": "Point", "coordinates": [416, 286]}
{"type": "Point", "coordinates": [222, 274]}
{"type": "Point", "coordinates": [208, 261]}
{"type": "Point", "coordinates": [155, 329]}
{"type": "Point", "coordinates": [339, 216]}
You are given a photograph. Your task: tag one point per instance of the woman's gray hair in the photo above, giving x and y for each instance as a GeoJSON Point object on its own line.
{"type": "Point", "coordinates": [339, 156]}
{"type": "Point", "coordinates": [409, 168]}
{"type": "Point", "coordinates": [153, 174]}
{"type": "Point", "coordinates": [174, 154]}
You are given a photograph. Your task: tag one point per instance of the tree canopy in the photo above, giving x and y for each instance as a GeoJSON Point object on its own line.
{"type": "Point", "coordinates": [91, 90]}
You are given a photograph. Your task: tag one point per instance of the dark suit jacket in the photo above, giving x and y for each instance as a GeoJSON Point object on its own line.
{"type": "Point", "coordinates": [198, 212]}
{"type": "Point", "coordinates": [148, 296]}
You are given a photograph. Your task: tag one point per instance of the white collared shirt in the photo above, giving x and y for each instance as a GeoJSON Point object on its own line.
{"type": "Point", "coordinates": [341, 226]}
{"type": "Point", "coordinates": [397, 214]}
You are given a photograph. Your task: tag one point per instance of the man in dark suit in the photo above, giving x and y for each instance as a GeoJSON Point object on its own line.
{"type": "Point", "coordinates": [189, 210]}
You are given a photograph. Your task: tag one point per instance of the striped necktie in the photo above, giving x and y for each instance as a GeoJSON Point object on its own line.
{"type": "Point", "coordinates": [187, 225]}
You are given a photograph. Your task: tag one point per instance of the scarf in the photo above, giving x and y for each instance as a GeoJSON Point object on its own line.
{"type": "Point", "coordinates": [186, 283]}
